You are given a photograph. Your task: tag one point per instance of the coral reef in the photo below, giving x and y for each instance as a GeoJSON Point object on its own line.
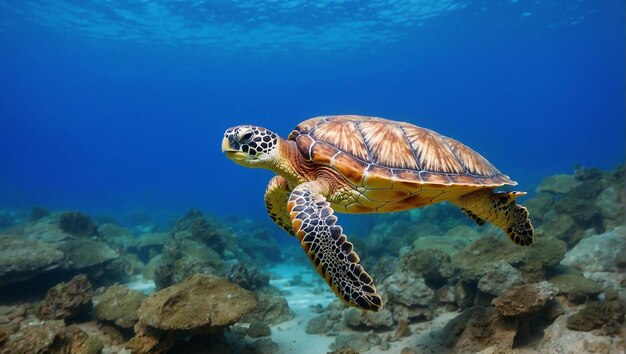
{"type": "Point", "coordinates": [448, 285]}
{"type": "Point", "coordinates": [607, 315]}
{"type": "Point", "coordinates": [567, 205]}
{"type": "Point", "coordinates": [408, 296]}
{"type": "Point", "coordinates": [258, 329]}
{"type": "Point", "coordinates": [598, 253]}
{"type": "Point", "coordinates": [575, 286]}
{"type": "Point", "coordinates": [22, 260]}
{"type": "Point", "coordinates": [41, 247]}
{"type": "Point", "coordinates": [498, 277]}
{"type": "Point", "coordinates": [527, 299]}
{"type": "Point", "coordinates": [271, 309]}
{"type": "Point", "coordinates": [67, 300]}
{"type": "Point", "coordinates": [530, 261]}
{"type": "Point", "coordinates": [118, 304]}
{"type": "Point", "coordinates": [557, 338]}
{"type": "Point", "coordinates": [76, 223]}
{"type": "Point", "coordinates": [480, 328]}
{"type": "Point", "coordinates": [248, 276]}
{"type": "Point", "coordinates": [52, 337]}
{"type": "Point", "coordinates": [37, 213]}
{"type": "Point", "coordinates": [199, 305]}
{"type": "Point", "coordinates": [197, 227]}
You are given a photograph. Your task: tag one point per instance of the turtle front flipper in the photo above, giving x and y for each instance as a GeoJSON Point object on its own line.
{"type": "Point", "coordinates": [501, 210]}
{"type": "Point", "coordinates": [276, 196]}
{"type": "Point", "coordinates": [328, 249]}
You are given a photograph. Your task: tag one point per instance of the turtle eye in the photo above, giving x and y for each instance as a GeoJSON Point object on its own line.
{"type": "Point", "coordinates": [246, 137]}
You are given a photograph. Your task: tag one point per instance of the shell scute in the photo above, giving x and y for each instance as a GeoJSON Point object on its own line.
{"type": "Point", "coordinates": [388, 145]}
{"type": "Point", "coordinates": [344, 136]}
{"type": "Point", "coordinates": [463, 179]}
{"type": "Point", "coordinates": [378, 177]}
{"type": "Point", "coordinates": [351, 168]}
{"type": "Point", "coordinates": [304, 143]}
{"type": "Point", "coordinates": [406, 179]}
{"type": "Point", "coordinates": [323, 153]}
{"type": "Point", "coordinates": [384, 195]}
{"type": "Point", "coordinates": [435, 178]}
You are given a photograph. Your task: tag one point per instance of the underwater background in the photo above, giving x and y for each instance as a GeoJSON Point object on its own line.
{"type": "Point", "coordinates": [115, 106]}
{"type": "Point", "coordinates": [111, 119]}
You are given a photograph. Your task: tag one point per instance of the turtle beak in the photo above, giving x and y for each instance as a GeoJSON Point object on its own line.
{"type": "Point", "coordinates": [226, 144]}
{"type": "Point", "coordinates": [230, 148]}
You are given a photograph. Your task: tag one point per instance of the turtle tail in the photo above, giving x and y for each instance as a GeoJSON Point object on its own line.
{"type": "Point", "coordinates": [501, 210]}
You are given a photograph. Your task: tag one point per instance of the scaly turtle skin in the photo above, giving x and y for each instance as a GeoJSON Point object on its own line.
{"type": "Point", "coordinates": [357, 164]}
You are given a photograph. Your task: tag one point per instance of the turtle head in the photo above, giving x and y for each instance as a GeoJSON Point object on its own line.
{"type": "Point", "coordinates": [250, 145]}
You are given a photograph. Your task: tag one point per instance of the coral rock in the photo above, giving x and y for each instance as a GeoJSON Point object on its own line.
{"type": "Point", "coordinates": [319, 324]}
{"type": "Point", "coordinates": [152, 243]}
{"type": "Point", "coordinates": [429, 263]}
{"type": "Point", "coordinates": [119, 305]}
{"type": "Point", "coordinates": [527, 299]}
{"type": "Point", "coordinates": [577, 288]}
{"type": "Point", "coordinates": [560, 226]}
{"type": "Point", "coordinates": [597, 253]}
{"type": "Point", "coordinates": [558, 184]}
{"type": "Point", "coordinates": [609, 204]}
{"type": "Point", "coordinates": [77, 223]}
{"type": "Point", "coordinates": [499, 276]}
{"type": "Point", "coordinates": [36, 337]}
{"type": "Point", "coordinates": [382, 319]}
{"type": "Point", "coordinates": [584, 212]}
{"type": "Point", "coordinates": [85, 253]}
{"type": "Point", "coordinates": [67, 300]}
{"type": "Point", "coordinates": [22, 260]}
{"type": "Point", "coordinates": [408, 289]}
{"type": "Point", "coordinates": [559, 339]}
{"type": "Point", "coordinates": [272, 308]}
{"type": "Point", "coordinates": [247, 276]}
{"type": "Point", "coordinates": [607, 315]}
{"type": "Point", "coordinates": [119, 237]}
{"type": "Point", "coordinates": [52, 337]}
{"type": "Point", "coordinates": [258, 329]}
{"type": "Point", "coordinates": [79, 342]}
{"type": "Point", "coordinates": [480, 328]}
{"type": "Point", "coordinates": [408, 297]}
{"type": "Point", "coordinates": [357, 341]}
{"type": "Point", "coordinates": [200, 303]}
{"type": "Point", "coordinates": [545, 252]}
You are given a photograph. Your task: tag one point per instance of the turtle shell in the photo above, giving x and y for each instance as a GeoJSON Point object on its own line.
{"type": "Point", "coordinates": [376, 153]}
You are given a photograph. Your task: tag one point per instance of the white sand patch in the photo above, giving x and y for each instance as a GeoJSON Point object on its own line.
{"type": "Point", "coordinates": [138, 282]}
{"type": "Point", "coordinates": [291, 336]}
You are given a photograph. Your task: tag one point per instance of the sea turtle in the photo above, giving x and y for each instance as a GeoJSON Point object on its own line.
{"type": "Point", "coordinates": [359, 164]}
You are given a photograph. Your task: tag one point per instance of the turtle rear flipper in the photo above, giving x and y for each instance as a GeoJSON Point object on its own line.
{"type": "Point", "coordinates": [501, 210]}
{"type": "Point", "coordinates": [328, 248]}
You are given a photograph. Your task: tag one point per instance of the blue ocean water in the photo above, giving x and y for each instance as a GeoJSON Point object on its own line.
{"type": "Point", "coordinates": [118, 106]}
